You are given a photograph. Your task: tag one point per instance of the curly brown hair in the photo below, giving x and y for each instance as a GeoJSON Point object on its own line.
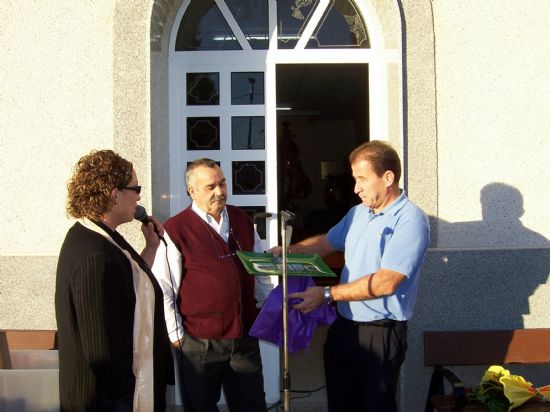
{"type": "Point", "coordinates": [94, 178]}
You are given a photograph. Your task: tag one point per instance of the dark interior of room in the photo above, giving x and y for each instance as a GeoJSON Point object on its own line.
{"type": "Point", "coordinates": [322, 114]}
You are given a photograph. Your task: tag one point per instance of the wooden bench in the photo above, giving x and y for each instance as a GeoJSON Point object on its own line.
{"type": "Point", "coordinates": [24, 339]}
{"type": "Point", "coordinates": [481, 347]}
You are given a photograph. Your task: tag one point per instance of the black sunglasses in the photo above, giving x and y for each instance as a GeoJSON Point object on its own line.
{"type": "Point", "coordinates": [136, 189]}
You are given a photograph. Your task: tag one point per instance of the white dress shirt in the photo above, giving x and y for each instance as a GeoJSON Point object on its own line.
{"type": "Point", "coordinates": [167, 268]}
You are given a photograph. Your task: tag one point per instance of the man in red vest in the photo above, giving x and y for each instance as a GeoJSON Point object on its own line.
{"type": "Point", "coordinates": [210, 300]}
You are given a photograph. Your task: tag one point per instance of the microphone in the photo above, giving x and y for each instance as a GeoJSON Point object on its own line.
{"type": "Point", "coordinates": [262, 215]}
{"type": "Point", "coordinates": [285, 215]}
{"type": "Point", "coordinates": [141, 215]}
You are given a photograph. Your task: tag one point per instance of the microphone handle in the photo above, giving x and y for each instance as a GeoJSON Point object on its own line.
{"type": "Point", "coordinates": [158, 234]}
{"type": "Point", "coordinates": [145, 220]}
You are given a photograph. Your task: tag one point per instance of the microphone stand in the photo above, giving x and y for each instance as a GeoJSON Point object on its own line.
{"type": "Point", "coordinates": [285, 240]}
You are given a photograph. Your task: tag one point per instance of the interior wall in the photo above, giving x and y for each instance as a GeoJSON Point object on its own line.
{"type": "Point", "coordinates": [319, 140]}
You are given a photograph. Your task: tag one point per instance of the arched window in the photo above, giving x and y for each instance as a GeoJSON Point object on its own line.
{"type": "Point", "coordinates": [239, 68]}
{"type": "Point", "coordinates": [204, 27]}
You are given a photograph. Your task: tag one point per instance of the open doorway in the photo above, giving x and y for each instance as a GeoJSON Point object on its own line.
{"type": "Point", "coordinates": [322, 114]}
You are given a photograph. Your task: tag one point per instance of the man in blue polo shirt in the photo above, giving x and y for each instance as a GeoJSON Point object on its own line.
{"type": "Point", "coordinates": [385, 239]}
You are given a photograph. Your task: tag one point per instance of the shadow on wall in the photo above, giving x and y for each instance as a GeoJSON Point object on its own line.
{"type": "Point", "coordinates": [486, 281]}
{"type": "Point", "coordinates": [487, 287]}
{"type": "Point", "coordinates": [501, 210]}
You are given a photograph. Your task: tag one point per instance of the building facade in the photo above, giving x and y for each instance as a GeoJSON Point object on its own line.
{"type": "Point", "coordinates": [459, 88]}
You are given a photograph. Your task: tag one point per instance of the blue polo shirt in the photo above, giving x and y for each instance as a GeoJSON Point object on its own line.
{"type": "Point", "coordinates": [397, 239]}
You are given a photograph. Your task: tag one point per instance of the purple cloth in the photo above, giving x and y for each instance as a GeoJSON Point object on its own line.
{"type": "Point", "coordinates": [269, 323]}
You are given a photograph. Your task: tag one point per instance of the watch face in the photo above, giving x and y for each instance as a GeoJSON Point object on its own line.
{"type": "Point", "coordinates": [326, 295]}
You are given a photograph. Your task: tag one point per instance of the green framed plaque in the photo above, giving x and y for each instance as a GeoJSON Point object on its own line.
{"type": "Point", "coordinates": [264, 264]}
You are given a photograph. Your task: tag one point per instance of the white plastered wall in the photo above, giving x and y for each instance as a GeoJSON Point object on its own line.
{"type": "Point", "coordinates": [75, 76]}
{"type": "Point", "coordinates": [493, 89]}
{"type": "Point", "coordinates": [56, 96]}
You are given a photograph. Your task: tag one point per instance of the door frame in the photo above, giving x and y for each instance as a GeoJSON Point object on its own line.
{"type": "Point", "coordinates": [377, 57]}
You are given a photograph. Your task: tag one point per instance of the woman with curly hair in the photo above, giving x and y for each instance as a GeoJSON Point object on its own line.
{"type": "Point", "coordinates": [114, 352]}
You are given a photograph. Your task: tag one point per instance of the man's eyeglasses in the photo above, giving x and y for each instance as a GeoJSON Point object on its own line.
{"type": "Point", "coordinates": [136, 189]}
{"type": "Point", "coordinates": [216, 246]}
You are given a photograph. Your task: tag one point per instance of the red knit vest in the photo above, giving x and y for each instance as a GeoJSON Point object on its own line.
{"type": "Point", "coordinates": [216, 295]}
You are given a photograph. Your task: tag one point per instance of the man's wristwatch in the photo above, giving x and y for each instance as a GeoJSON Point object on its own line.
{"type": "Point", "coordinates": [327, 297]}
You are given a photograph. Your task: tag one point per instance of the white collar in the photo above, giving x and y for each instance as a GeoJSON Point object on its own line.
{"type": "Point", "coordinates": [222, 228]}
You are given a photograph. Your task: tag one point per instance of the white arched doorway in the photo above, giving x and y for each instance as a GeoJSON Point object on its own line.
{"type": "Point", "coordinates": [249, 78]}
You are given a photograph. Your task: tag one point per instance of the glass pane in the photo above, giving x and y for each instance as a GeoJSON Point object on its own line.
{"type": "Point", "coordinates": [252, 16]}
{"type": "Point", "coordinates": [260, 223]}
{"type": "Point", "coordinates": [203, 89]}
{"type": "Point", "coordinates": [292, 17]}
{"type": "Point", "coordinates": [247, 132]}
{"type": "Point", "coordinates": [248, 178]}
{"type": "Point", "coordinates": [247, 88]}
{"type": "Point", "coordinates": [341, 26]}
{"type": "Point", "coordinates": [203, 133]}
{"type": "Point", "coordinates": [203, 27]}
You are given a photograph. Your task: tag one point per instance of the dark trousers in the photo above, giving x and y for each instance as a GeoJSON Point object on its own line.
{"type": "Point", "coordinates": [362, 364]}
{"type": "Point", "coordinates": [208, 364]}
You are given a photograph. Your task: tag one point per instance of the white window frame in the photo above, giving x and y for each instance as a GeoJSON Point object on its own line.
{"type": "Point", "coordinates": [376, 57]}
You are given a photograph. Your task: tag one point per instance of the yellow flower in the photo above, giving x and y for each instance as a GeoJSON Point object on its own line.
{"type": "Point", "coordinates": [494, 373]}
{"type": "Point", "coordinates": [499, 390]}
{"type": "Point", "coordinates": [517, 390]}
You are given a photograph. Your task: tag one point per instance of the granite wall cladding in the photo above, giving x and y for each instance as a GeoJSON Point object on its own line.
{"type": "Point", "coordinates": [27, 304]}
{"type": "Point", "coordinates": [475, 289]}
